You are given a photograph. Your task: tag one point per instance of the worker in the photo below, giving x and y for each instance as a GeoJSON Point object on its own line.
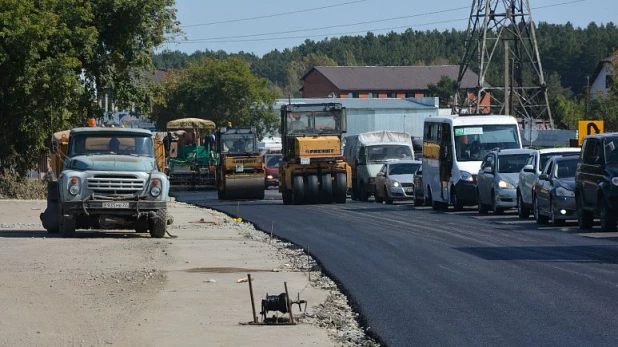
{"type": "Point", "coordinates": [296, 124]}
{"type": "Point", "coordinates": [114, 145]}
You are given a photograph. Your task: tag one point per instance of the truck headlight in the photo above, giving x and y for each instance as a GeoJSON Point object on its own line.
{"type": "Point", "coordinates": [561, 191]}
{"type": "Point", "coordinates": [74, 186]}
{"type": "Point", "coordinates": [465, 176]}
{"type": "Point", "coordinates": [394, 184]}
{"type": "Point", "coordinates": [155, 189]}
{"type": "Point", "coordinates": [505, 185]}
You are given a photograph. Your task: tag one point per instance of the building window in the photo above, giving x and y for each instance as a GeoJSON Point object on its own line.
{"type": "Point", "coordinates": [392, 95]}
{"type": "Point", "coordinates": [409, 95]}
{"type": "Point", "coordinates": [353, 95]}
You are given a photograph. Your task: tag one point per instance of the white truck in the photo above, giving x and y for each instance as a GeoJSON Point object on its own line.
{"type": "Point", "coordinates": [367, 152]}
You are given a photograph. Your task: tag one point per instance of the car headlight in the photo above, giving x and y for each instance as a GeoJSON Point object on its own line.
{"type": "Point", "coordinates": [270, 177]}
{"type": "Point", "coordinates": [615, 181]}
{"type": "Point", "coordinates": [74, 186]}
{"type": "Point", "coordinates": [155, 188]}
{"type": "Point", "coordinates": [465, 176]}
{"type": "Point", "coordinates": [505, 185]}
{"type": "Point", "coordinates": [561, 191]}
{"type": "Point", "coordinates": [394, 184]}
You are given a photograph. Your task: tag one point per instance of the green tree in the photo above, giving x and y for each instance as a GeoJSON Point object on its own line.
{"type": "Point", "coordinates": [219, 90]}
{"type": "Point", "coordinates": [445, 90]}
{"type": "Point", "coordinates": [55, 56]}
{"type": "Point", "coordinates": [297, 69]}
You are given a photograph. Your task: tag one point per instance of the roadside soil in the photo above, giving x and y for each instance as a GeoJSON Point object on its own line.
{"type": "Point", "coordinates": [126, 289]}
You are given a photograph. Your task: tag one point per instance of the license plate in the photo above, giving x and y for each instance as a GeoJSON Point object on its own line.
{"type": "Point", "coordinates": [305, 161]}
{"type": "Point", "coordinates": [115, 205]}
{"type": "Point", "coordinates": [240, 168]}
{"type": "Point", "coordinates": [409, 190]}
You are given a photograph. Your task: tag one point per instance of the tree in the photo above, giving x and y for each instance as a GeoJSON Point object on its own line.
{"type": "Point", "coordinates": [56, 54]}
{"type": "Point", "coordinates": [444, 90]}
{"type": "Point", "coordinates": [297, 69]}
{"type": "Point", "coordinates": [219, 90]}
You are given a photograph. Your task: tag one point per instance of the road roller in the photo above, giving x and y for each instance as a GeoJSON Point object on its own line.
{"type": "Point", "coordinates": [313, 170]}
{"type": "Point", "coordinates": [239, 172]}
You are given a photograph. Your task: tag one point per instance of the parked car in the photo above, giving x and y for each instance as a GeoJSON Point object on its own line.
{"type": "Point", "coordinates": [271, 169]}
{"type": "Point", "coordinates": [395, 180]}
{"type": "Point", "coordinates": [553, 193]}
{"type": "Point", "coordinates": [419, 196]}
{"type": "Point", "coordinates": [531, 171]}
{"type": "Point", "coordinates": [497, 179]}
{"type": "Point", "coordinates": [596, 181]}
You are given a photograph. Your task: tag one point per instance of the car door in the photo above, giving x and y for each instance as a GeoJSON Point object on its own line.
{"type": "Point", "coordinates": [528, 178]}
{"type": "Point", "coordinates": [543, 187]}
{"type": "Point", "coordinates": [380, 181]}
{"type": "Point", "coordinates": [485, 178]}
{"type": "Point", "coordinates": [592, 170]}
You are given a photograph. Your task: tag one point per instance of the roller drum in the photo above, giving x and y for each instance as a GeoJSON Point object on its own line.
{"type": "Point", "coordinates": [244, 188]}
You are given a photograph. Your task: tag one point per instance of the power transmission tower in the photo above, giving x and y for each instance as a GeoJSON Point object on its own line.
{"type": "Point", "coordinates": [501, 45]}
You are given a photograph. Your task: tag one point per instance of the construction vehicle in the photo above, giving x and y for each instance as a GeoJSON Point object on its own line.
{"type": "Point", "coordinates": [239, 172]}
{"type": "Point", "coordinates": [312, 169]}
{"type": "Point", "coordinates": [366, 153]}
{"type": "Point", "coordinates": [190, 153]}
{"type": "Point", "coordinates": [106, 178]}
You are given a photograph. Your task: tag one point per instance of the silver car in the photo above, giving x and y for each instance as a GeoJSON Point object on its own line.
{"type": "Point", "coordinates": [395, 181]}
{"type": "Point", "coordinates": [531, 171]}
{"type": "Point", "coordinates": [497, 179]}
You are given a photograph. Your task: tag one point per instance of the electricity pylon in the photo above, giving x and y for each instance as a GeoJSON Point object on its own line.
{"type": "Point", "coordinates": [503, 31]}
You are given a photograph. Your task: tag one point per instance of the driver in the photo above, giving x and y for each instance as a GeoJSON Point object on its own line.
{"type": "Point", "coordinates": [296, 124]}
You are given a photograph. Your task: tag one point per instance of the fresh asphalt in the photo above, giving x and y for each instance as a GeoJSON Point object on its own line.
{"type": "Point", "coordinates": [419, 277]}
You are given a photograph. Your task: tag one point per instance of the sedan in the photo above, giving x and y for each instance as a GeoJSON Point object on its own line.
{"type": "Point", "coordinates": [395, 181]}
{"type": "Point", "coordinates": [554, 191]}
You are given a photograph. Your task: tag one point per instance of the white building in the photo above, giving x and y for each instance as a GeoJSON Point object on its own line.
{"type": "Point", "coordinates": [602, 77]}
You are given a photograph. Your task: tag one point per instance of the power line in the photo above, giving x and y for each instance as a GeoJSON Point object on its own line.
{"type": "Point", "coordinates": [332, 26]}
{"type": "Point", "coordinates": [272, 15]}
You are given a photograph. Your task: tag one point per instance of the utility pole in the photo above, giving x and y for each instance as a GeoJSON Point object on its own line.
{"type": "Point", "coordinates": [508, 23]}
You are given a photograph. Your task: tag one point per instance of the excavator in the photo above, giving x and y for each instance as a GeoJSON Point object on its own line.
{"type": "Point", "coordinates": [239, 172]}
{"type": "Point", "coordinates": [313, 170]}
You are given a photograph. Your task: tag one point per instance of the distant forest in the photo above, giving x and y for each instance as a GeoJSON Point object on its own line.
{"type": "Point", "coordinates": [568, 55]}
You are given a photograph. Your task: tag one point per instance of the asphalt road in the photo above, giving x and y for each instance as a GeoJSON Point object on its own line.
{"type": "Point", "coordinates": [421, 277]}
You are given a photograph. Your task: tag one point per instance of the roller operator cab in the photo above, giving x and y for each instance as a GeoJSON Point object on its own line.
{"type": "Point", "coordinates": [312, 169]}
{"type": "Point", "coordinates": [107, 178]}
{"type": "Point", "coordinates": [240, 172]}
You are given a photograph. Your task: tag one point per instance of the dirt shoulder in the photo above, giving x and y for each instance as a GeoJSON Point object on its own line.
{"type": "Point", "coordinates": [127, 289]}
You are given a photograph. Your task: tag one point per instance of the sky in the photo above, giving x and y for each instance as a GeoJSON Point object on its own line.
{"type": "Point", "coordinates": [261, 26]}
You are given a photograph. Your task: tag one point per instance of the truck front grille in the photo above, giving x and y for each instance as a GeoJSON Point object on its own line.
{"type": "Point", "coordinates": [115, 184]}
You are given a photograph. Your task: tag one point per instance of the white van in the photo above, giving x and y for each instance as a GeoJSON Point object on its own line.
{"type": "Point", "coordinates": [453, 148]}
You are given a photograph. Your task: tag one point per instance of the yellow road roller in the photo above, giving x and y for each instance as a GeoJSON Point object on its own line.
{"type": "Point", "coordinates": [239, 173]}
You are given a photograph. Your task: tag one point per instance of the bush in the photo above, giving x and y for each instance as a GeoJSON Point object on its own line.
{"type": "Point", "coordinates": [13, 186]}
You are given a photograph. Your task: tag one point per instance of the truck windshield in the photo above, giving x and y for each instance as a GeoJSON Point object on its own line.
{"type": "Point", "coordinates": [379, 153]}
{"type": "Point", "coordinates": [238, 143]}
{"type": "Point", "coordinates": [473, 142]}
{"type": "Point", "coordinates": [128, 144]}
{"type": "Point", "coordinates": [313, 122]}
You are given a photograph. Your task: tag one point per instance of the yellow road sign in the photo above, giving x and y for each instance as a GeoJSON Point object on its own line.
{"type": "Point", "coordinates": [589, 127]}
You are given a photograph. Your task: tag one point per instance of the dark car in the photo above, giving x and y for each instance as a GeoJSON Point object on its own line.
{"type": "Point", "coordinates": [596, 181]}
{"type": "Point", "coordinates": [271, 170]}
{"type": "Point", "coordinates": [419, 198]}
{"type": "Point", "coordinates": [553, 193]}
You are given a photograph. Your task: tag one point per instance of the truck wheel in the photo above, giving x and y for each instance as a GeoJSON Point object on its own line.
{"type": "Point", "coordinates": [286, 195]}
{"type": "Point", "coordinates": [312, 193]}
{"type": "Point", "coordinates": [326, 189]}
{"type": "Point", "coordinates": [585, 219]}
{"type": "Point", "coordinates": [341, 186]}
{"type": "Point", "coordinates": [158, 224]}
{"type": "Point", "coordinates": [607, 216]}
{"type": "Point", "coordinates": [66, 227]}
{"type": "Point", "coordinates": [298, 190]}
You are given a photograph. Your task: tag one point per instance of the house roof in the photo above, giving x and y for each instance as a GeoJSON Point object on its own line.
{"type": "Point", "coordinates": [609, 60]}
{"type": "Point", "coordinates": [395, 78]}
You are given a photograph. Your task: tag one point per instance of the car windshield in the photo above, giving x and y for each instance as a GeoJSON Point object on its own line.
{"type": "Point", "coordinates": [385, 152]}
{"type": "Point", "coordinates": [611, 150]}
{"type": "Point", "coordinates": [511, 163]}
{"type": "Point", "coordinates": [566, 168]}
{"type": "Point", "coordinates": [128, 144]}
{"type": "Point", "coordinates": [273, 160]}
{"type": "Point", "coordinates": [473, 142]}
{"type": "Point", "coordinates": [403, 169]}
{"type": "Point", "coordinates": [546, 156]}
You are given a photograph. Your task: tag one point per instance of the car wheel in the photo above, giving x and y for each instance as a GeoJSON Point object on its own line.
{"type": "Point", "coordinates": [607, 216]}
{"type": "Point", "coordinates": [457, 206]}
{"type": "Point", "coordinates": [522, 211]}
{"type": "Point", "coordinates": [388, 199]}
{"type": "Point", "coordinates": [552, 216]}
{"type": "Point", "coordinates": [540, 219]}
{"type": "Point", "coordinates": [494, 205]}
{"type": "Point", "coordinates": [585, 218]}
{"type": "Point", "coordinates": [481, 208]}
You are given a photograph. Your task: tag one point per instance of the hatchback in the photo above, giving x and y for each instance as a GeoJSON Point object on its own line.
{"type": "Point", "coordinates": [553, 193]}
{"type": "Point", "coordinates": [395, 181]}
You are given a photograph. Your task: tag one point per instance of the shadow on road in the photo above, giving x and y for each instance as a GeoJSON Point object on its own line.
{"type": "Point", "coordinates": [577, 254]}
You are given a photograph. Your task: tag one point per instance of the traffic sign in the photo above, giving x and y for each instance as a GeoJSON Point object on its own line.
{"type": "Point", "coordinates": [589, 127]}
